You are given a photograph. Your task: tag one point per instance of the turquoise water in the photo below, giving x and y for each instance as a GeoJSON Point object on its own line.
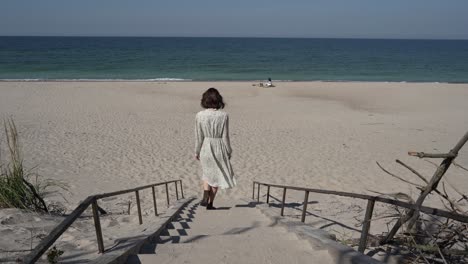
{"type": "Point", "coordinates": [233, 59]}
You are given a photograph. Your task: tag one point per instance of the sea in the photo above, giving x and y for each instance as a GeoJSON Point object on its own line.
{"type": "Point", "coordinates": [232, 59]}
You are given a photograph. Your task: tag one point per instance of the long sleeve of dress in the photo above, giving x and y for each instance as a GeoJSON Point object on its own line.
{"type": "Point", "coordinates": [199, 136]}
{"type": "Point", "coordinates": [226, 139]}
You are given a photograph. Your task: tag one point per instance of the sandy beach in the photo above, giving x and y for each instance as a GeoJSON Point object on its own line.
{"type": "Point", "coordinates": [105, 136]}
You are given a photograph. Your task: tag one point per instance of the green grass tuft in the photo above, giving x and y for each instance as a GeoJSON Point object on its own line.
{"type": "Point", "coordinates": [16, 191]}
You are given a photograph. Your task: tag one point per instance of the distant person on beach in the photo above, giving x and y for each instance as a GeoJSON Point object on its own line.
{"type": "Point", "coordinates": [266, 84]}
{"type": "Point", "coordinates": [213, 147]}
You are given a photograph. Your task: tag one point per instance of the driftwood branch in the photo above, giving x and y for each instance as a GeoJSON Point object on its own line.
{"type": "Point", "coordinates": [37, 196]}
{"type": "Point", "coordinates": [413, 214]}
{"type": "Point", "coordinates": [432, 155]}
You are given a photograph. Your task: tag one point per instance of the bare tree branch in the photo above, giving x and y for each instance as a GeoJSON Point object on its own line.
{"type": "Point", "coordinates": [459, 166]}
{"type": "Point", "coordinates": [419, 250]}
{"type": "Point", "coordinates": [442, 255]}
{"type": "Point", "coordinates": [431, 162]}
{"type": "Point", "coordinates": [464, 197]}
{"type": "Point", "coordinates": [412, 170]}
{"type": "Point", "coordinates": [453, 205]}
{"type": "Point", "coordinates": [398, 177]}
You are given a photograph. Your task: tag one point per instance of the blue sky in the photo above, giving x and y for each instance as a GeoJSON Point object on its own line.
{"type": "Point", "coordinates": [443, 19]}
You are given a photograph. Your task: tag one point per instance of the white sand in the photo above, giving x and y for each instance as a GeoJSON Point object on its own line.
{"type": "Point", "coordinates": [105, 136]}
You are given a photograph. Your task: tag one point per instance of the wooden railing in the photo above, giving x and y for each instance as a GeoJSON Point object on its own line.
{"type": "Point", "coordinates": [48, 241]}
{"type": "Point", "coordinates": [370, 206]}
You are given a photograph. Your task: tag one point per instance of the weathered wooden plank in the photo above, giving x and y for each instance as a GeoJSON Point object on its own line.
{"type": "Point", "coordinates": [167, 194]}
{"type": "Point", "coordinates": [424, 209]}
{"type": "Point", "coordinates": [154, 202]}
{"type": "Point", "coordinates": [181, 189]}
{"type": "Point", "coordinates": [104, 195]}
{"type": "Point", "coordinates": [268, 195]}
{"type": "Point", "coordinates": [140, 218]}
{"type": "Point", "coordinates": [283, 201]}
{"type": "Point", "coordinates": [258, 193]}
{"type": "Point", "coordinates": [366, 226]}
{"type": "Point", "coordinates": [253, 190]}
{"type": "Point", "coordinates": [347, 194]}
{"type": "Point", "coordinates": [97, 226]}
{"type": "Point", "coordinates": [304, 209]}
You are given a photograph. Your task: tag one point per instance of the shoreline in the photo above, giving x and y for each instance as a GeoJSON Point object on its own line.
{"type": "Point", "coordinates": [205, 81]}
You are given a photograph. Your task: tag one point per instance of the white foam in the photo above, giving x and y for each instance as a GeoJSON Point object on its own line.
{"type": "Point", "coordinates": [168, 79]}
{"type": "Point", "coordinates": [95, 80]}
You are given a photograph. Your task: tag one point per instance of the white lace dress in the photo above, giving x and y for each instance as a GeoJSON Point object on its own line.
{"type": "Point", "coordinates": [214, 148]}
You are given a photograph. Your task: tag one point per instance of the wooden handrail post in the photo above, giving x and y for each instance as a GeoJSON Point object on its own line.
{"type": "Point", "coordinates": [366, 226]}
{"type": "Point", "coordinates": [140, 218]}
{"type": "Point", "coordinates": [176, 191]}
{"type": "Point", "coordinates": [181, 190]}
{"type": "Point", "coordinates": [304, 209]}
{"type": "Point", "coordinates": [154, 202]}
{"type": "Point", "coordinates": [253, 191]}
{"type": "Point", "coordinates": [258, 192]}
{"type": "Point", "coordinates": [268, 195]}
{"type": "Point", "coordinates": [283, 201]}
{"type": "Point", "coordinates": [97, 226]}
{"type": "Point", "coordinates": [167, 194]}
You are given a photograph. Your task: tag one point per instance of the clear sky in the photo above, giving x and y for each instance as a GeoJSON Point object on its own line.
{"type": "Point", "coordinates": [437, 19]}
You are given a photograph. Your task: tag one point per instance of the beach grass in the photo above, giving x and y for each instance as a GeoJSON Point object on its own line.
{"type": "Point", "coordinates": [16, 189]}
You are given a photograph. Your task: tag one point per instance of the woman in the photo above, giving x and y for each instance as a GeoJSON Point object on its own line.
{"type": "Point", "coordinates": [212, 146]}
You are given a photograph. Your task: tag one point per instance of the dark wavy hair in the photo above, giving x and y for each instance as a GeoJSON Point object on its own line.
{"type": "Point", "coordinates": [212, 99]}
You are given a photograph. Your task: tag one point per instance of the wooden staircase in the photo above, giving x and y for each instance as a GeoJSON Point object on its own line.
{"type": "Point", "coordinates": [235, 233]}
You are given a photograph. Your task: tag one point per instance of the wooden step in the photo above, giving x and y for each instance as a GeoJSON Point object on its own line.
{"type": "Point", "coordinates": [251, 229]}
{"type": "Point", "coordinates": [269, 240]}
{"type": "Point", "coordinates": [281, 252]}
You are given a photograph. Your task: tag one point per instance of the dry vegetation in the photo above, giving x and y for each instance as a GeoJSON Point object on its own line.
{"type": "Point", "coordinates": [427, 238]}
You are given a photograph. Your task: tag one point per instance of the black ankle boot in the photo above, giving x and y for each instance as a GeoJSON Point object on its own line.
{"type": "Point", "coordinates": [210, 206]}
{"type": "Point", "coordinates": [204, 201]}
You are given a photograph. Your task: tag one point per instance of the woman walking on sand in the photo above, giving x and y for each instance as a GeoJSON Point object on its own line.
{"type": "Point", "coordinates": [212, 146]}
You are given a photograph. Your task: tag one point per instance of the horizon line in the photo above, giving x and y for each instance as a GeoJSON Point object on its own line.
{"type": "Point", "coordinates": [253, 37]}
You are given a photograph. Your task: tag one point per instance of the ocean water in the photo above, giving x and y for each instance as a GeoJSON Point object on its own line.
{"type": "Point", "coordinates": [140, 58]}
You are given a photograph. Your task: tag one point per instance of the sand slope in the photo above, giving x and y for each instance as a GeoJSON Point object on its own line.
{"type": "Point", "coordinates": [106, 136]}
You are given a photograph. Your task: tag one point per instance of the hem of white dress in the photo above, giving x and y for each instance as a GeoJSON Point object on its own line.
{"type": "Point", "coordinates": [223, 187]}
